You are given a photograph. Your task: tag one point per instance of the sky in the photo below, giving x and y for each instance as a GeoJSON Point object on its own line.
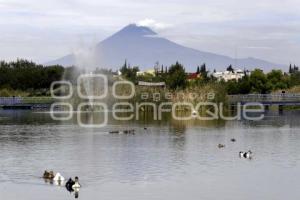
{"type": "Point", "coordinates": [45, 30]}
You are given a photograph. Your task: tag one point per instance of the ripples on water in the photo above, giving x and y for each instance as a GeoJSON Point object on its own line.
{"type": "Point", "coordinates": [169, 160]}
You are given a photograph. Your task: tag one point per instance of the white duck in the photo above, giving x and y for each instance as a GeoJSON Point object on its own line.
{"type": "Point", "coordinates": [194, 113]}
{"type": "Point", "coordinates": [241, 154]}
{"type": "Point", "coordinates": [58, 177]}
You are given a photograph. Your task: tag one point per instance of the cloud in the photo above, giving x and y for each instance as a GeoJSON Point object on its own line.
{"type": "Point", "coordinates": [47, 30]}
{"type": "Point", "coordinates": [258, 47]}
{"type": "Point", "coordinates": [151, 23]}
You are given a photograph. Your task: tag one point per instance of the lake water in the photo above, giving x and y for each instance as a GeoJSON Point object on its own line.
{"type": "Point", "coordinates": [170, 160]}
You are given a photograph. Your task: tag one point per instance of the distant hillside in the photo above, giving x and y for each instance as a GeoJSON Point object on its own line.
{"type": "Point", "coordinates": [143, 47]}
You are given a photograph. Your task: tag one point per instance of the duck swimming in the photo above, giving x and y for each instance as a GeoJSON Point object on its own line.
{"type": "Point", "coordinates": [73, 185]}
{"type": "Point", "coordinates": [48, 175]}
{"type": "Point", "coordinates": [247, 154]}
{"type": "Point", "coordinates": [76, 184]}
{"type": "Point", "coordinates": [194, 113]}
{"type": "Point", "coordinates": [58, 177]}
{"type": "Point", "coordinates": [129, 132]}
{"type": "Point", "coordinates": [114, 132]}
{"type": "Point", "coordinates": [69, 185]}
{"type": "Point", "coordinates": [241, 154]}
{"type": "Point", "coordinates": [221, 145]}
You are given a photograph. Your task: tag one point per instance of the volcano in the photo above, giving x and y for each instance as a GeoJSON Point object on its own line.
{"type": "Point", "coordinates": [143, 47]}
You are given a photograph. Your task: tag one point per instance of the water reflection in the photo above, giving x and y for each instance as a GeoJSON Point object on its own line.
{"type": "Point", "coordinates": [163, 160]}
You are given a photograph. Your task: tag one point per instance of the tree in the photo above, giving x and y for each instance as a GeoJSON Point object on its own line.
{"type": "Point", "coordinates": [130, 73]}
{"type": "Point", "coordinates": [277, 80]}
{"type": "Point", "coordinates": [204, 72]}
{"type": "Point", "coordinates": [198, 70]}
{"type": "Point", "coordinates": [176, 78]}
{"type": "Point", "coordinates": [295, 78]}
{"type": "Point", "coordinates": [28, 76]}
{"type": "Point", "coordinates": [124, 68]}
{"type": "Point", "coordinates": [230, 69]}
{"type": "Point", "coordinates": [232, 87]}
{"type": "Point", "coordinates": [259, 82]}
{"type": "Point", "coordinates": [244, 85]}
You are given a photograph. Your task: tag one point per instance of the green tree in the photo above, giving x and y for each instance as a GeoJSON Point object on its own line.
{"type": "Point", "coordinates": [130, 73]}
{"type": "Point", "coordinates": [28, 76]}
{"type": "Point", "coordinates": [176, 78]}
{"type": "Point", "coordinates": [277, 80]}
{"type": "Point", "coordinates": [259, 82]}
{"type": "Point", "coordinates": [230, 68]}
{"type": "Point", "coordinates": [290, 69]}
{"type": "Point", "coordinates": [232, 87]}
{"type": "Point", "coordinates": [204, 72]}
{"type": "Point", "coordinates": [295, 78]}
{"type": "Point", "coordinates": [244, 85]}
{"type": "Point", "coordinates": [198, 70]}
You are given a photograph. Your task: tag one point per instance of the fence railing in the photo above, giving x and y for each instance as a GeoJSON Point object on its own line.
{"type": "Point", "coordinates": [25, 100]}
{"type": "Point", "coordinates": [283, 97]}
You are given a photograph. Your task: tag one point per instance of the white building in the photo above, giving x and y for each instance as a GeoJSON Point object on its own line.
{"type": "Point", "coordinates": [149, 71]}
{"type": "Point", "coordinates": [228, 75]}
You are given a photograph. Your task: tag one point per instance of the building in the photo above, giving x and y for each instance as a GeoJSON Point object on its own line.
{"type": "Point", "coordinates": [229, 75]}
{"type": "Point", "coordinates": [149, 71]}
{"type": "Point", "coordinates": [151, 84]}
{"type": "Point", "coordinates": [193, 76]}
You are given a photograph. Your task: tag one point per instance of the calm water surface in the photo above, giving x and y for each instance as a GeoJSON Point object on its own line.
{"type": "Point", "coordinates": [168, 161]}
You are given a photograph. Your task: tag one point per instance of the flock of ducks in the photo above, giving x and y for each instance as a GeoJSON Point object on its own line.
{"type": "Point", "coordinates": [126, 132]}
{"type": "Point", "coordinates": [246, 154]}
{"type": "Point", "coordinates": [242, 154]}
{"type": "Point", "coordinates": [71, 185]}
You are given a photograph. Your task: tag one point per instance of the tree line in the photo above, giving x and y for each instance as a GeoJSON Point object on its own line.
{"type": "Point", "coordinates": [25, 75]}
{"type": "Point", "coordinates": [257, 82]}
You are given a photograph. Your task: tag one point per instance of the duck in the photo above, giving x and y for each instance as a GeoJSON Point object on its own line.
{"type": "Point", "coordinates": [129, 132]}
{"type": "Point", "coordinates": [194, 113]}
{"type": "Point", "coordinates": [69, 185]}
{"type": "Point", "coordinates": [241, 154]}
{"type": "Point", "coordinates": [48, 175]}
{"type": "Point", "coordinates": [221, 145]}
{"type": "Point", "coordinates": [233, 140]}
{"type": "Point", "coordinates": [73, 185]}
{"type": "Point", "coordinates": [58, 177]}
{"type": "Point", "coordinates": [114, 132]}
{"type": "Point", "coordinates": [247, 154]}
{"type": "Point", "coordinates": [76, 184]}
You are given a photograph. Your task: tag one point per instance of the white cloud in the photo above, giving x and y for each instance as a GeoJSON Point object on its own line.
{"type": "Point", "coordinates": [151, 23]}
{"type": "Point", "coordinates": [258, 47]}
